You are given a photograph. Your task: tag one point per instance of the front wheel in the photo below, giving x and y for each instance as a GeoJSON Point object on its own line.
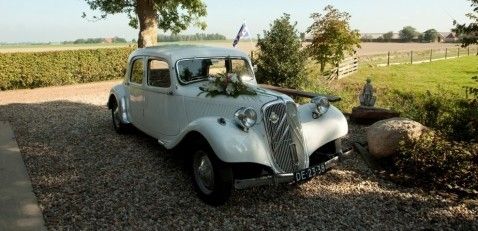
{"type": "Point", "coordinates": [212, 178]}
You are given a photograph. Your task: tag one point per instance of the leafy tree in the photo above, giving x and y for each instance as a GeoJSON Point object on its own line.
{"type": "Point", "coordinates": [367, 38]}
{"type": "Point", "coordinates": [332, 38]}
{"type": "Point", "coordinates": [469, 32]}
{"type": "Point", "coordinates": [408, 33]}
{"type": "Point", "coordinates": [149, 15]}
{"type": "Point", "coordinates": [388, 36]}
{"type": "Point", "coordinates": [302, 36]}
{"type": "Point", "coordinates": [430, 35]}
{"type": "Point", "coordinates": [280, 60]}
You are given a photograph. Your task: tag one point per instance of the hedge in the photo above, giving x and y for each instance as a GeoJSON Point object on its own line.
{"type": "Point", "coordinates": [42, 69]}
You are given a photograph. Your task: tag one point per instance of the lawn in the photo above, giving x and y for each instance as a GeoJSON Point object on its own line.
{"type": "Point", "coordinates": [440, 77]}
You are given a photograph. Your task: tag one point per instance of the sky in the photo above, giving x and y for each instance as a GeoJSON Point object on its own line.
{"type": "Point", "coordinates": [60, 20]}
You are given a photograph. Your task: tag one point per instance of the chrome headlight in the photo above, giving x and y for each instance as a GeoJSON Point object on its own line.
{"type": "Point", "coordinates": [322, 105]}
{"type": "Point", "coordinates": [245, 117]}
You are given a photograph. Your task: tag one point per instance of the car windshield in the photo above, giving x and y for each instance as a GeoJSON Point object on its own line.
{"type": "Point", "coordinates": [192, 70]}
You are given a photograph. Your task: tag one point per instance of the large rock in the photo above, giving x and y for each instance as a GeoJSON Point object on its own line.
{"type": "Point", "coordinates": [369, 115]}
{"type": "Point", "coordinates": [383, 137]}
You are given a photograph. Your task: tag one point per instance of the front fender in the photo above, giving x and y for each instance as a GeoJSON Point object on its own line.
{"type": "Point", "coordinates": [230, 143]}
{"type": "Point", "coordinates": [318, 132]}
{"type": "Point", "coordinates": [119, 93]}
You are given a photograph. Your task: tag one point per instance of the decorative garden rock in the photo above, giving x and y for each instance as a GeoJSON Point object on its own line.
{"type": "Point", "coordinates": [384, 136]}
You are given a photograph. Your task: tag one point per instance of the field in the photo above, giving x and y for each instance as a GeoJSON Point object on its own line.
{"type": "Point", "coordinates": [440, 77]}
{"type": "Point", "coordinates": [245, 45]}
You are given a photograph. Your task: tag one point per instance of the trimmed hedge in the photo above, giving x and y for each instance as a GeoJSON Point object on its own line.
{"type": "Point", "coordinates": [42, 69]}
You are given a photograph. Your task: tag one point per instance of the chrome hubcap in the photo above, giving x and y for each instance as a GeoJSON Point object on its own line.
{"type": "Point", "coordinates": [203, 172]}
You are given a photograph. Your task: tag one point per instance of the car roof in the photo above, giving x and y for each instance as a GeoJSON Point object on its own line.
{"type": "Point", "coordinates": [176, 52]}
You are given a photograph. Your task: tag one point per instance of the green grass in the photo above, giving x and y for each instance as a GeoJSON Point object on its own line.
{"type": "Point", "coordinates": [439, 77]}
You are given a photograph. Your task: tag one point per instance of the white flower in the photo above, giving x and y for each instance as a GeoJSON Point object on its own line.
{"type": "Point", "coordinates": [234, 78]}
{"type": "Point", "coordinates": [230, 89]}
{"type": "Point", "coordinates": [211, 87]}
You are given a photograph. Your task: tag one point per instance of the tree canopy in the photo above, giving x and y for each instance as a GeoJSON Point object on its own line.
{"type": "Point", "coordinates": [149, 15]}
{"type": "Point", "coordinates": [430, 35]}
{"type": "Point", "coordinates": [408, 33]}
{"type": "Point", "coordinates": [469, 32]}
{"type": "Point", "coordinates": [280, 60]}
{"type": "Point", "coordinates": [388, 36]}
{"type": "Point", "coordinates": [332, 37]}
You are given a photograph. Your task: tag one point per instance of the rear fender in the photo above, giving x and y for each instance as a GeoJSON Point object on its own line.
{"type": "Point", "coordinates": [118, 93]}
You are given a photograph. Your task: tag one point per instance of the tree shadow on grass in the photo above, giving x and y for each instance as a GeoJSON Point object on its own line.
{"type": "Point", "coordinates": [87, 176]}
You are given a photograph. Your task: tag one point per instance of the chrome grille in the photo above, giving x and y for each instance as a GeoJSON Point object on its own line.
{"type": "Point", "coordinates": [283, 130]}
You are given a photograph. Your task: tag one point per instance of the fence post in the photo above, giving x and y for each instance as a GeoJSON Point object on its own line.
{"type": "Point", "coordinates": [446, 53]}
{"type": "Point", "coordinates": [458, 52]}
{"type": "Point", "coordinates": [388, 60]}
{"type": "Point", "coordinates": [411, 57]}
{"type": "Point", "coordinates": [431, 55]}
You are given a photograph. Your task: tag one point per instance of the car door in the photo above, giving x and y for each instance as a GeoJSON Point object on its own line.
{"type": "Point", "coordinates": [136, 92]}
{"type": "Point", "coordinates": [161, 110]}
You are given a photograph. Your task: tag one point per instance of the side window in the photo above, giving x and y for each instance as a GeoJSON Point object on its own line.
{"type": "Point", "coordinates": [158, 73]}
{"type": "Point", "coordinates": [137, 71]}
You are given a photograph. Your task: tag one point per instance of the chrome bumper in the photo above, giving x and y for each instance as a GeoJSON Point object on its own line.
{"type": "Point", "coordinates": [281, 178]}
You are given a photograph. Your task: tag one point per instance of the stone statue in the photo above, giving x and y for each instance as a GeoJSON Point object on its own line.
{"type": "Point", "coordinates": [366, 98]}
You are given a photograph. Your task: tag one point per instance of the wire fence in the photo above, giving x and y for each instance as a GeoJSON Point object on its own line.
{"type": "Point", "coordinates": [416, 57]}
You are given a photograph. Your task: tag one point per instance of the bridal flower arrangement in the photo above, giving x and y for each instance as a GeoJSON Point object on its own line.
{"type": "Point", "coordinates": [226, 84]}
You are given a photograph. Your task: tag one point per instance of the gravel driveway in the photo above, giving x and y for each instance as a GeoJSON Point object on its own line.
{"type": "Point", "coordinates": [88, 177]}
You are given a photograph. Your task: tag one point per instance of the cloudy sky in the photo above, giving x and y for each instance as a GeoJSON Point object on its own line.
{"type": "Point", "coordinates": [60, 20]}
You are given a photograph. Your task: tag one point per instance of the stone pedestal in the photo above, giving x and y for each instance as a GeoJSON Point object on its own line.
{"type": "Point", "coordinates": [369, 115]}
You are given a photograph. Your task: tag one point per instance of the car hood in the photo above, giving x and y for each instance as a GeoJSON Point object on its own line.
{"type": "Point", "coordinates": [199, 104]}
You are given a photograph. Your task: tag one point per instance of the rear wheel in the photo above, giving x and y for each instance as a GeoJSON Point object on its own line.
{"type": "Point", "coordinates": [212, 178]}
{"type": "Point", "coordinates": [119, 126]}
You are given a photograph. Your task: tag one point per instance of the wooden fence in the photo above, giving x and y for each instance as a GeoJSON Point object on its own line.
{"type": "Point", "coordinates": [417, 56]}
{"type": "Point", "coordinates": [345, 68]}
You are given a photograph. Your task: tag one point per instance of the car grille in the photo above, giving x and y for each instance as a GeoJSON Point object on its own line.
{"type": "Point", "coordinates": [285, 137]}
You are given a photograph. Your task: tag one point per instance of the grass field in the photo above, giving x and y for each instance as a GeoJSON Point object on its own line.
{"type": "Point", "coordinates": [440, 77]}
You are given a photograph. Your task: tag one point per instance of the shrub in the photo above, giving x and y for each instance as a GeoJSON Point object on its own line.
{"type": "Point", "coordinates": [41, 69]}
{"type": "Point", "coordinates": [280, 60]}
{"type": "Point", "coordinates": [452, 115]}
{"type": "Point", "coordinates": [434, 161]}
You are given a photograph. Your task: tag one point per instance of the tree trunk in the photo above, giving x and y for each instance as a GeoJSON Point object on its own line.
{"type": "Point", "coordinates": [148, 23]}
{"type": "Point", "coordinates": [322, 66]}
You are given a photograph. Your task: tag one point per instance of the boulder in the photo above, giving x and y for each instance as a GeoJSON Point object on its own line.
{"type": "Point", "coordinates": [383, 137]}
{"type": "Point", "coordinates": [369, 115]}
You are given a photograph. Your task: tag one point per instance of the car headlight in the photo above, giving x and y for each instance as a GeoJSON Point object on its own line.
{"type": "Point", "coordinates": [246, 118]}
{"type": "Point", "coordinates": [322, 105]}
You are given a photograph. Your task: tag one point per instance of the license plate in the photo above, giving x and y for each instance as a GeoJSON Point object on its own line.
{"type": "Point", "coordinates": [308, 173]}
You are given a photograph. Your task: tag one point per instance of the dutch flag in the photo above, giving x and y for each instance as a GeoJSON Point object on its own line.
{"type": "Point", "coordinates": [243, 33]}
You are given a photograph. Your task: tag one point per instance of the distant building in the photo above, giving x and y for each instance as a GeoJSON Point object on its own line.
{"type": "Point", "coordinates": [108, 40]}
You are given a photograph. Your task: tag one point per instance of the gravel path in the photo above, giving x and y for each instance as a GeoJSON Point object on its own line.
{"type": "Point", "coordinates": [88, 177]}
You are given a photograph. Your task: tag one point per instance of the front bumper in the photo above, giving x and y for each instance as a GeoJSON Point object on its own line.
{"type": "Point", "coordinates": [284, 177]}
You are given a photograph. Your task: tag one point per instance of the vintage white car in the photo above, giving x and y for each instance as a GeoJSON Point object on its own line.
{"type": "Point", "coordinates": [233, 138]}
